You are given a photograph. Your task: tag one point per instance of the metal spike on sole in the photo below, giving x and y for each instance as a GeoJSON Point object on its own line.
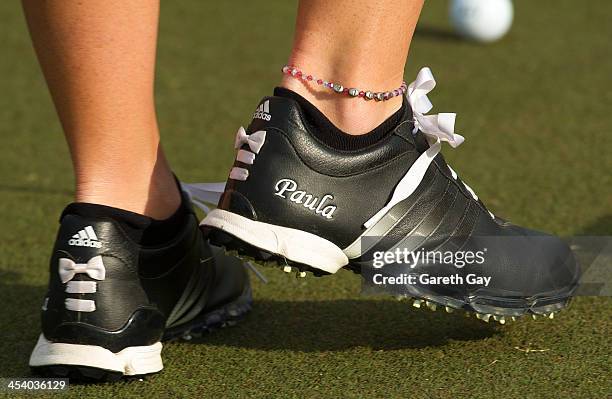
{"type": "Point", "coordinates": [533, 316]}
{"type": "Point", "coordinates": [287, 269]}
{"type": "Point", "coordinates": [485, 318]}
{"type": "Point", "coordinates": [502, 320]}
{"type": "Point", "coordinates": [417, 303]}
{"type": "Point", "coordinates": [431, 306]}
{"type": "Point", "coordinates": [301, 274]}
{"type": "Point", "coordinates": [513, 318]}
{"type": "Point", "coordinates": [496, 317]}
{"type": "Point", "coordinates": [449, 309]}
{"type": "Point", "coordinates": [551, 316]}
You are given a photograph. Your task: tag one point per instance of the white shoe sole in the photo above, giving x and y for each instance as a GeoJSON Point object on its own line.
{"type": "Point", "coordinates": [134, 360]}
{"type": "Point", "coordinates": [296, 245]}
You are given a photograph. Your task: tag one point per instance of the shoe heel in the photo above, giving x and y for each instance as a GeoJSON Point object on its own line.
{"type": "Point", "coordinates": [57, 357]}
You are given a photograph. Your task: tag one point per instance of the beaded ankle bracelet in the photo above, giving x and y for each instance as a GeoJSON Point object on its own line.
{"type": "Point", "coordinates": [293, 71]}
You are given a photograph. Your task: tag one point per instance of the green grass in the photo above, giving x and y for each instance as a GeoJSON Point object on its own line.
{"type": "Point", "coordinates": [536, 112]}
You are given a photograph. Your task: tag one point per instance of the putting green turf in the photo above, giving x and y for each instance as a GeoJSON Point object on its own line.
{"type": "Point", "coordinates": [535, 109]}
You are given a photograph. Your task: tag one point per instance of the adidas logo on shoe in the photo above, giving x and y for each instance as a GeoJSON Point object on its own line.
{"type": "Point", "coordinates": [85, 238]}
{"type": "Point", "coordinates": [263, 111]}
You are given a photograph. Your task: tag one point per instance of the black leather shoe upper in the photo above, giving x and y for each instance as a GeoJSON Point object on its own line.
{"type": "Point", "coordinates": [293, 170]}
{"type": "Point", "coordinates": [143, 289]}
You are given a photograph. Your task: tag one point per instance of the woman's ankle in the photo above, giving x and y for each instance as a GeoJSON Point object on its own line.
{"type": "Point", "coordinates": [151, 192]}
{"type": "Point", "coordinates": [352, 115]}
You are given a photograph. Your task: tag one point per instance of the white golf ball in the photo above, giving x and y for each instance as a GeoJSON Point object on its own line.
{"type": "Point", "coordinates": [482, 20]}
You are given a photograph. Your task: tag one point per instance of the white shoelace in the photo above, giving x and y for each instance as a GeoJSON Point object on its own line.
{"type": "Point", "coordinates": [255, 141]}
{"type": "Point", "coordinates": [67, 269]}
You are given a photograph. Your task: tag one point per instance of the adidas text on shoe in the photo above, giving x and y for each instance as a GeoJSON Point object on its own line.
{"type": "Point", "coordinates": [263, 112]}
{"type": "Point", "coordinates": [85, 238]}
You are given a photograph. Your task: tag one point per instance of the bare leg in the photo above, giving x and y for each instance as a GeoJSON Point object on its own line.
{"type": "Point", "coordinates": [98, 58]}
{"type": "Point", "coordinates": [360, 44]}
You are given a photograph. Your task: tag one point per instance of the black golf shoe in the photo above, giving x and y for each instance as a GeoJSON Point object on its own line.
{"type": "Point", "coordinates": [111, 302]}
{"type": "Point", "coordinates": [295, 201]}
